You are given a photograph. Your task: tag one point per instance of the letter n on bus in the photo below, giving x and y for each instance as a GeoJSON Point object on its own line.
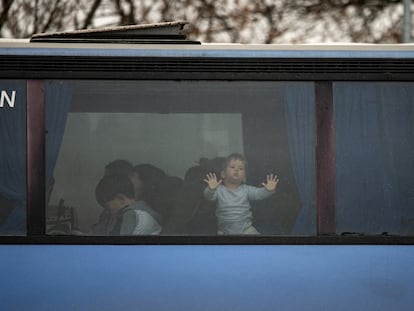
{"type": "Point", "coordinates": [5, 98]}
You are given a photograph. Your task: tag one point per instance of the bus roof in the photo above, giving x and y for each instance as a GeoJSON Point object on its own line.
{"type": "Point", "coordinates": [331, 50]}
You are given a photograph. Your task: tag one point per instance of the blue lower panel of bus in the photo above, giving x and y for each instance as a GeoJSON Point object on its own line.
{"type": "Point", "coordinates": [45, 277]}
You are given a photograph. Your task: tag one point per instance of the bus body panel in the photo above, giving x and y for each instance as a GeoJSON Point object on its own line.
{"type": "Point", "coordinates": [114, 277]}
{"type": "Point", "coordinates": [205, 277]}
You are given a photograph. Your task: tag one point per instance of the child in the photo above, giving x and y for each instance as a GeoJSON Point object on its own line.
{"type": "Point", "coordinates": [115, 192]}
{"type": "Point", "coordinates": [124, 167]}
{"type": "Point", "coordinates": [233, 208]}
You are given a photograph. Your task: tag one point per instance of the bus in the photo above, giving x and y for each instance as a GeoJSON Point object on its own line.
{"type": "Point", "coordinates": [331, 124]}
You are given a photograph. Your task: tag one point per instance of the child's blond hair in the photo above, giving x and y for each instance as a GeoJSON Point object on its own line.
{"type": "Point", "coordinates": [234, 156]}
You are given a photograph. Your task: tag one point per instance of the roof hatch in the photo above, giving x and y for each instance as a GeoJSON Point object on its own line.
{"type": "Point", "coordinates": [159, 33]}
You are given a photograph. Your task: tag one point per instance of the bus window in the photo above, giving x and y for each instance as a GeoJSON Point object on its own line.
{"type": "Point", "coordinates": [374, 134]}
{"type": "Point", "coordinates": [12, 157]}
{"type": "Point", "coordinates": [173, 133]}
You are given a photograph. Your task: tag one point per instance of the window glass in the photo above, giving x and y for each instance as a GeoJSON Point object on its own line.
{"type": "Point", "coordinates": [374, 134]}
{"type": "Point", "coordinates": [165, 137]}
{"type": "Point", "coordinates": [12, 157]}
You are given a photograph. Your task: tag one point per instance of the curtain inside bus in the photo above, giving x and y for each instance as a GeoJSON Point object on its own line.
{"type": "Point", "coordinates": [374, 135]}
{"type": "Point", "coordinates": [300, 122]}
{"type": "Point", "coordinates": [58, 99]}
{"type": "Point", "coordinates": [13, 158]}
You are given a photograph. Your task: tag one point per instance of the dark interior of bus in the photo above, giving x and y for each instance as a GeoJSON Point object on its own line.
{"type": "Point", "coordinates": [254, 112]}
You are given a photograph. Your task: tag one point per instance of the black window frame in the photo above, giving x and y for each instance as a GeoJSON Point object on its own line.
{"type": "Point", "coordinates": [323, 72]}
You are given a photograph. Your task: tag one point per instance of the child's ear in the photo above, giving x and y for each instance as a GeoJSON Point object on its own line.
{"type": "Point", "coordinates": [223, 175]}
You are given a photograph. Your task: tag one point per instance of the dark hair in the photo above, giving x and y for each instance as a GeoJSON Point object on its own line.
{"type": "Point", "coordinates": [198, 173]}
{"type": "Point", "coordinates": [122, 167]}
{"type": "Point", "coordinates": [111, 185]}
{"type": "Point", "coordinates": [149, 173]}
{"type": "Point", "coordinates": [234, 156]}
{"type": "Point", "coordinates": [151, 176]}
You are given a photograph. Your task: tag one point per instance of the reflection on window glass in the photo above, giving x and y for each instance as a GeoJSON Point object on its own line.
{"type": "Point", "coordinates": [374, 133]}
{"type": "Point", "coordinates": [12, 157]}
{"type": "Point", "coordinates": [134, 157]}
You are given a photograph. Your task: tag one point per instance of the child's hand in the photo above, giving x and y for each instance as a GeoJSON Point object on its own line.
{"type": "Point", "coordinates": [271, 183]}
{"type": "Point", "coordinates": [212, 181]}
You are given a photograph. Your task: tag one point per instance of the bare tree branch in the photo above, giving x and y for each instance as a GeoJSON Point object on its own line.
{"type": "Point", "coordinates": [89, 17]}
{"type": "Point", "coordinates": [245, 21]}
{"type": "Point", "coordinates": [4, 14]}
{"type": "Point", "coordinates": [51, 17]}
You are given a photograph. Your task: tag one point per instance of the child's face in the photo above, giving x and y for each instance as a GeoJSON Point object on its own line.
{"type": "Point", "coordinates": [117, 203]}
{"type": "Point", "coordinates": [234, 172]}
{"type": "Point", "coordinates": [114, 205]}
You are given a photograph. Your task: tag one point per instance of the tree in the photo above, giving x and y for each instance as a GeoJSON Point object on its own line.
{"type": "Point", "coordinates": [244, 21]}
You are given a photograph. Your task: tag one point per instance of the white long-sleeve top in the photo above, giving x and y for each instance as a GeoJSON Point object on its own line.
{"type": "Point", "coordinates": [233, 206]}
